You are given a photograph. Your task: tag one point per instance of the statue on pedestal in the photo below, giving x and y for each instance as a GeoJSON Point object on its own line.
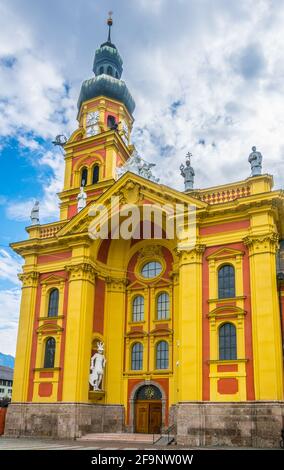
{"type": "Point", "coordinates": [35, 213]}
{"type": "Point", "coordinates": [82, 199]}
{"type": "Point", "coordinates": [255, 160]}
{"type": "Point", "coordinates": [98, 362]}
{"type": "Point", "coordinates": [188, 173]}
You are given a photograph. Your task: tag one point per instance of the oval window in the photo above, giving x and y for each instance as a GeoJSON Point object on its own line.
{"type": "Point", "coordinates": [152, 269]}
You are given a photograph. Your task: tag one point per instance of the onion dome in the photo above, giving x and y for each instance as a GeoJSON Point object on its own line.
{"type": "Point", "coordinates": [107, 81]}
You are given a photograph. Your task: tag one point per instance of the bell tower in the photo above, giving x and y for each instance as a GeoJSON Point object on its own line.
{"type": "Point", "coordinates": [101, 142]}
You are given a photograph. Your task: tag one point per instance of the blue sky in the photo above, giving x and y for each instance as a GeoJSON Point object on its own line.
{"type": "Point", "coordinates": [207, 77]}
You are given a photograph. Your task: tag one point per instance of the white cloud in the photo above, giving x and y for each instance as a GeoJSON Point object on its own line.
{"type": "Point", "coordinates": [10, 266]}
{"type": "Point", "coordinates": [9, 314]}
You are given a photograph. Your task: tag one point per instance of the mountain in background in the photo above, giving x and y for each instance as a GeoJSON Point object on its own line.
{"type": "Point", "coordinates": [7, 360]}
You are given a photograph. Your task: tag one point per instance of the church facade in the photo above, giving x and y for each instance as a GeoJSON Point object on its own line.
{"type": "Point", "coordinates": [175, 333]}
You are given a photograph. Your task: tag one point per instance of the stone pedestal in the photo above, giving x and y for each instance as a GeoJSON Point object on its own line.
{"type": "Point", "coordinates": [62, 420]}
{"type": "Point", "coordinates": [238, 424]}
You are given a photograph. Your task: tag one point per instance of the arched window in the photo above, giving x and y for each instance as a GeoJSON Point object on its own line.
{"type": "Point", "coordinates": [163, 306]}
{"type": "Point", "coordinates": [49, 354]}
{"type": "Point", "coordinates": [111, 122]}
{"type": "Point", "coordinates": [138, 308]}
{"type": "Point", "coordinates": [109, 70]}
{"type": "Point", "coordinates": [84, 176]}
{"type": "Point", "coordinates": [227, 342]}
{"type": "Point", "coordinates": [226, 282]}
{"type": "Point", "coordinates": [95, 177]}
{"type": "Point", "coordinates": [53, 303]}
{"type": "Point", "coordinates": [137, 356]}
{"type": "Point", "coordinates": [162, 355]}
{"type": "Point", "coordinates": [116, 75]}
{"type": "Point", "coordinates": [101, 70]}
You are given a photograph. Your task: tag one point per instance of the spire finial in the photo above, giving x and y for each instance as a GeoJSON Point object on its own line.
{"type": "Point", "coordinates": [109, 23]}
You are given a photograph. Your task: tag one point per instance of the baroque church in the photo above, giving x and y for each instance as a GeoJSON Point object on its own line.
{"type": "Point", "coordinates": [140, 334]}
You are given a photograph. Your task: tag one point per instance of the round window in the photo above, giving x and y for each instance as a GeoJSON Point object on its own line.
{"type": "Point", "coordinates": [152, 269]}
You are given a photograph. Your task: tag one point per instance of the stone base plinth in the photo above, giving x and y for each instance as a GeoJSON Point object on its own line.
{"type": "Point", "coordinates": [245, 424]}
{"type": "Point", "coordinates": [62, 420]}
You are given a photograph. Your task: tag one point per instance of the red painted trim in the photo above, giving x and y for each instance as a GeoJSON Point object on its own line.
{"type": "Point", "coordinates": [42, 259]}
{"type": "Point", "coordinates": [63, 341]}
{"type": "Point", "coordinates": [225, 227]}
{"type": "Point", "coordinates": [45, 389]}
{"type": "Point", "coordinates": [227, 368]}
{"type": "Point", "coordinates": [247, 324]}
{"type": "Point", "coordinates": [46, 375]}
{"type": "Point", "coordinates": [99, 307]}
{"type": "Point", "coordinates": [248, 328]}
{"type": "Point", "coordinates": [227, 386]}
{"type": "Point", "coordinates": [103, 250]}
{"type": "Point", "coordinates": [34, 343]}
{"type": "Point", "coordinates": [72, 211]}
{"type": "Point", "coordinates": [205, 328]}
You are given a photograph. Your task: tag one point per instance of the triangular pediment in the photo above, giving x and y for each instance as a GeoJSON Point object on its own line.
{"type": "Point", "coordinates": [131, 189]}
{"type": "Point", "coordinates": [52, 279]}
{"type": "Point", "coordinates": [225, 253]}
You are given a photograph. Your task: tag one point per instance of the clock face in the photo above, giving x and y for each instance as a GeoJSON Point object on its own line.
{"type": "Point", "coordinates": [92, 118]}
{"type": "Point", "coordinates": [92, 127]}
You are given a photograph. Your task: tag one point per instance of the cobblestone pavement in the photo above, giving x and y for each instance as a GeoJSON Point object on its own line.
{"type": "Point", "coordinates": [9, 443]}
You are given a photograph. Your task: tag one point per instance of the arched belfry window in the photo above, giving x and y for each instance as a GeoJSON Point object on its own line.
{"type": "Point", "coordinates": [111, 122]}
{"type": "Point", "coordinates": [84, 176]}
{"type": "Point", "coordinates": [226, 282]}
{"type": "Point", "coordinates": [227, 342]}
{"type": "Point", "coordinates": [137, 356]}
{"type": "Point", "coordinates": [96, 171]}
{"type": "Point", "coordinates": [53, 303]}
{"type": "Point", "coordinates": [109, 70]}
{"type": "Point", "coordinates": [163, 306]}
{"type": "Point", "coordinates": [49, 354]}
{"type": "Point", "coordinates": [162, 355]}
{"type": "Point", "coordinates": [138, 308]}
{"type": "Point", "coordinates": [101, 70]}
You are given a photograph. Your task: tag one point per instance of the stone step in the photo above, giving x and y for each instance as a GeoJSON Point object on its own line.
{"type": "Point", "coordinates": [125, 437]}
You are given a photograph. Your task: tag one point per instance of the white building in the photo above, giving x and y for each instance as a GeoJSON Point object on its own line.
{"type": "Point", "coordinates": [6, 382]}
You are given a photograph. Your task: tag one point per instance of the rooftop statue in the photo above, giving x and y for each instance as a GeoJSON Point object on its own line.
{"type": "Point", "coordinates": [137, 165]}
{"type": "Point", "coordinates": [82, 199]}
{"type": "Point", "coordinates": [188, 173]}
{"type": "Point", "coordinates": [255, 160]}
{"type": "Point", "coordinates": [35, 213]}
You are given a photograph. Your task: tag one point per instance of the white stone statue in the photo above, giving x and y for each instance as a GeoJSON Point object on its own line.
{"type": "Point", "coordinates": [82, 199]}
{"type": "Point", "coordinates": [35, 213]}
{"type": "Point", "coordinates": [188, 173]}
{"type": "Point", "coordinates": [137, 165]}
{"type": "Point", "coordinates": [255, 160]}
{"type": "Point", "coordinates": [98, 362]}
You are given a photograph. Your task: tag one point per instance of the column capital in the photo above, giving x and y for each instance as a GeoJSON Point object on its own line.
{"type": "Point", "coordinates": [116, 284]}
{"type": "Point", "coordinates": [81, 271]}
{"type": "Point", "coordinates": [264, 243]}
{"type": "Point", "coordinates": [29, 279]}
{"type": "Point", "coordinates": [193, 255]}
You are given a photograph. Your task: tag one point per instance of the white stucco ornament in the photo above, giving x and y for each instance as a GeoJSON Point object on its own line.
{"type": "Point", "coordinates": [98, 362]}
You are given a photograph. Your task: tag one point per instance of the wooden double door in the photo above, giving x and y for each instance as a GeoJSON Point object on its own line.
{"type": "Point", "coordinates": [148, 416]}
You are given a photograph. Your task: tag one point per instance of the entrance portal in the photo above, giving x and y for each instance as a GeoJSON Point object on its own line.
{"type": "Point", "coordinates": [148, 410]}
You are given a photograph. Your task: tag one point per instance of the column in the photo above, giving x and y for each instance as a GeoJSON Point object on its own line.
{"type": "Point", "coordinates": [25, 335]}
{"type": "Point", "coordinates": [114, 334]}
{"type": "Point", "coordinates": [79, 332]}
{"type": "Point", "coordinates": [267, 353]}
{"type": "Point", "coordinates": [190, 324]}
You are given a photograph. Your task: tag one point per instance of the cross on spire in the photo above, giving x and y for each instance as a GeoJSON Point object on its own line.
{"type": "Point", "coordinates": [109, 23]}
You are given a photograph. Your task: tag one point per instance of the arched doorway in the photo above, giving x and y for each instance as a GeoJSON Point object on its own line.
{"type": "Point", "coordinates": [148, 410]}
